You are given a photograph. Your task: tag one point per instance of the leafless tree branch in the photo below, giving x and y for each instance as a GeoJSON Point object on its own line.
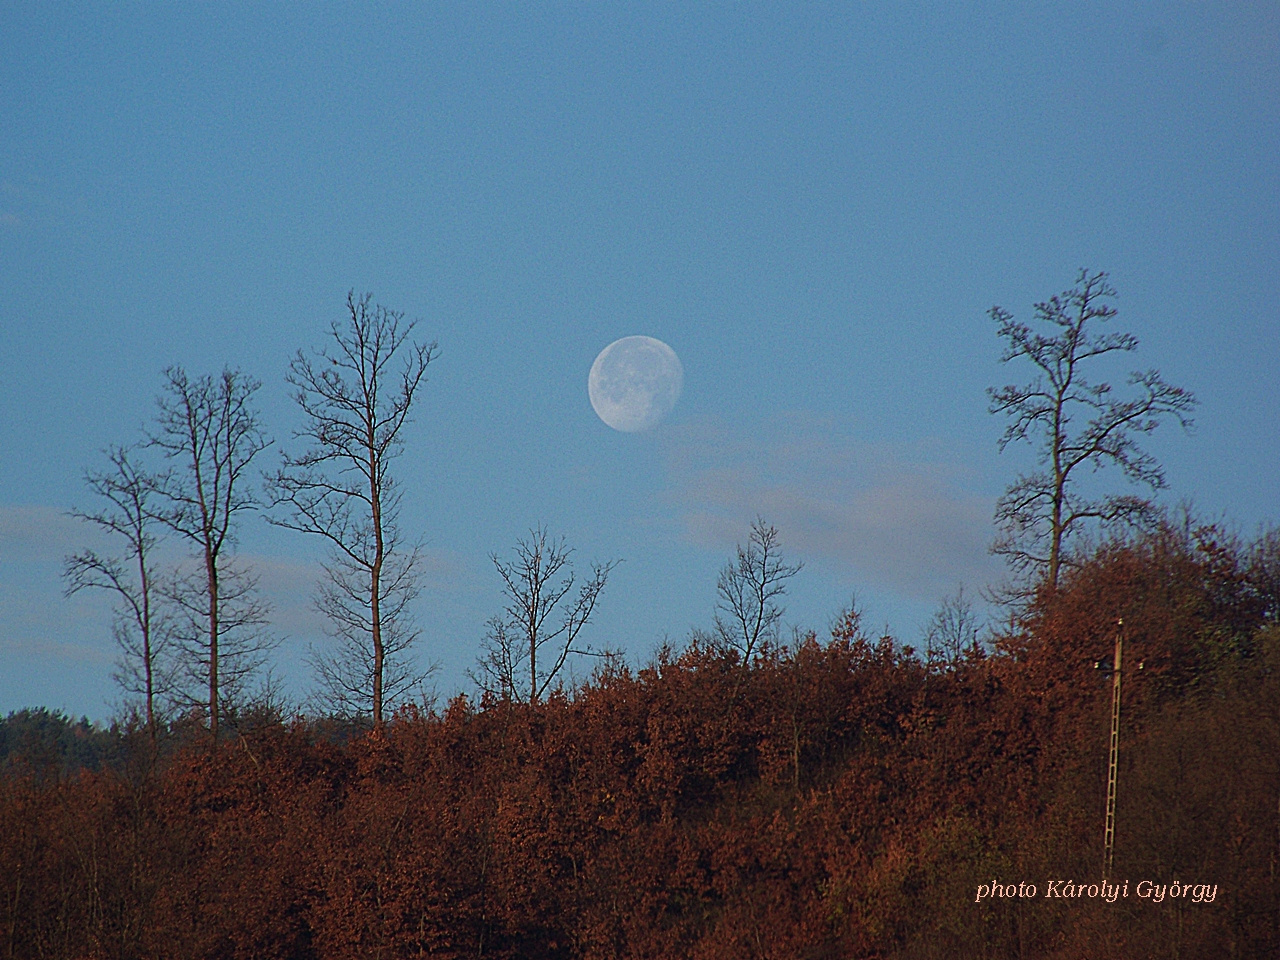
{"type": "Point", "coordinates": [210, 431]}
{"type": "Point", "coordinates": [535, 583]}
{"type": "Point", "coordinates": [140, 628]}
{"type": "Point", "coordinates": [356, 396]}
{"type": "Point", "coordinates": [747, 612]}
{"type": "Point", "coordinates": [1073, 423]}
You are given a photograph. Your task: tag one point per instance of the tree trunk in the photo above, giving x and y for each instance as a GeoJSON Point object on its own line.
{"type": "Point", "coordinates": [375, 575]}
{"type": "Point", "coordinates": [211, 571]}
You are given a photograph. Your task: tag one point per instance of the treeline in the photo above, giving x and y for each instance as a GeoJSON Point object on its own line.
{"type": "Point", "coordinates": [835, 797]}
{"type": "Point", "coordinates": [54, 744]}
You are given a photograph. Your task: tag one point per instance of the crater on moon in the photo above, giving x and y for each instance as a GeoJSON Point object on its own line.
{"type": "Point", "coordinates": [634, 383]}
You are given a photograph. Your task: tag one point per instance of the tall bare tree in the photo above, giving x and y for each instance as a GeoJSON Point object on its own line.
{"type": "Point", "coordinates": [357, 394]}
{"type": "Point", "coordinates": [210, 431]}
{"type": "Point", "coordinates": [748, 612]}
{"type": "Point", "coordinates": [536, 584]}
{"type": "Point", "coordinates": [1075, 425]}
{"type": "Point", "coordinates": [140, 628]}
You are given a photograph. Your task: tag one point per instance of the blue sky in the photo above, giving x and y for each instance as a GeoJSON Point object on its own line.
{"type": "Point", "coordinates": [815, 205]}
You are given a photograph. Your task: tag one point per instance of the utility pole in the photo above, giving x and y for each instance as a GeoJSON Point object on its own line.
{"type": "Point", "coordinates": [1109, 837]}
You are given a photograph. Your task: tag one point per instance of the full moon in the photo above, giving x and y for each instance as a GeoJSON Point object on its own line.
{"type": "Point", "coordinates": [634, 383]}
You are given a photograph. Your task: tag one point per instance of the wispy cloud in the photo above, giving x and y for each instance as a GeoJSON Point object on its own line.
{"type": "Point", "coordinates": [41, 532]}
{"type": "Point", "coordinates": [49, 651]}
{"type": "Point", "coordinates": [37, 623]}
{"type": "Point", "coordinates": [35, 540]}
{"type": "Point", "coordinates": [289, 584]}
{"type": "Point", "coordinates": [896, 516]}
{"type": "Point", "coordinates": [32, 202]}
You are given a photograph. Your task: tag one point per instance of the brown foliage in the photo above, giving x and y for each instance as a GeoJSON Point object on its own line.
{"type": "Point", "coordinates": [832, 799]}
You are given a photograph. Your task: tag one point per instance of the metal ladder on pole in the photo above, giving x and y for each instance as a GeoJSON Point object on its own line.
{"type": "Point", "coordinates": [1109, 838]}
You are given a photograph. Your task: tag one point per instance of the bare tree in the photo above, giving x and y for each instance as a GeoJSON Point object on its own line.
{"type": "Point", "coordinates": [952, 634]}
{"type": "Point", "coordinates": [140, 628]}
{"type": "Point", "coordinates": [357, 396]}
{"type": "Point", "coordinates": [210, 431]}
{"type": "Point", "coordinates": [536, 583]}
{"type": "Point", "coordinates": [747, 612]}
{"type": "Point", "coordinates": [243, 644]}
{"type": "Point", "coordinates": [1074, 424]}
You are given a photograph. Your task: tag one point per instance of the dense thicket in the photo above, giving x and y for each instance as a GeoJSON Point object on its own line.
{"type": "Point", "coordinates": [834, 799]}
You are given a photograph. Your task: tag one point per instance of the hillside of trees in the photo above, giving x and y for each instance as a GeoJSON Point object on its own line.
{"type": "Point", "coordinates": [835, 797]}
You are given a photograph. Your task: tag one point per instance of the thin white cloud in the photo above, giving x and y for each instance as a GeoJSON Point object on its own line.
{"type": "Point", "coordinates": [31, 202]}
{"type": "Point", "coordinates": [45, 634]}
{"type": "Point", "coordinates": [35, 540]}
{"type": "Point", "coordinates": [42, 532]}
{"type": "Point", "coordinates": [894, 516]}
{"type": "Point", "coordinates": [48, 651]}
{"type": "Point", "coordinates": [290, 584]}
{"type": "Point", "coordinates": [38, 624]}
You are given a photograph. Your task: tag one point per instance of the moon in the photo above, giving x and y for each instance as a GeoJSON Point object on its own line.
{"type": "Point", "coordinates": [634, 383]}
